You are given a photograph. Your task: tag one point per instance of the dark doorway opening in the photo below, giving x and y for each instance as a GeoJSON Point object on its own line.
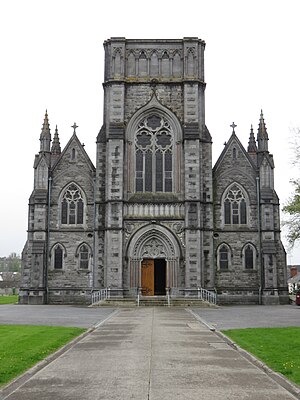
{"type": "Point", "coordinates": [159, 277]}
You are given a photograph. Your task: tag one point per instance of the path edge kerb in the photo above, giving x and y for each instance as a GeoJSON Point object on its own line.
{"type": "Point", "coordinates": [276, 376]}
{"type": "Point", "coordinates": [20, 380]}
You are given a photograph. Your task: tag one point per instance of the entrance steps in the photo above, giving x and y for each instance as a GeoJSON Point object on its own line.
{"type": "Point", "coordinates": [116, 302]}
{"type": "Point", "coordinates": [154, 301]}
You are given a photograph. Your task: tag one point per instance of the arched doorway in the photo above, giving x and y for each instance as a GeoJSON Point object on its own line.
{"type": "Point", "coordinates": [153, 255]}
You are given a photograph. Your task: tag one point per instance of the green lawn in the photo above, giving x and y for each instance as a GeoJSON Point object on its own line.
{"type": "Point", "coordinates": [8, 299]}
{"type": "Point", "coordinates": [276, 347]}
{"type": "Point", "coordinates": [22, 346]}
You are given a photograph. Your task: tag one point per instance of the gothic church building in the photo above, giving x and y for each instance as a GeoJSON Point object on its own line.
{"type": "Point", "coordinates": [154, 214]}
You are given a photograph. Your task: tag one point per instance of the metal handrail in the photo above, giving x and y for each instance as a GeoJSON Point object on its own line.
{"type": "Point", "coordinates": [207, 295]}
{"type": "Point", "coordinates": [138, 296]}
{"type": "Point", "coordinates": [203, 294]}
{"type": "Point", "coordinates": [168, 296]}
{"type": "Point", "coordinates": [100, 295]}
{"type": "Point", "coordinates": [200, 293]}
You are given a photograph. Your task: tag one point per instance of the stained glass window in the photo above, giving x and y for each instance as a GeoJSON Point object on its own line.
{"type": "Point", "coordinates": [154, 155]}
{"type": "Point", "coordinates": [72, 206]}
{"type": "Point", "coordinates": [235, 208]}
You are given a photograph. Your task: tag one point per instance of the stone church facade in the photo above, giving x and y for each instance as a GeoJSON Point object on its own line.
{"type": "Point", "coordinates": [153, 214]}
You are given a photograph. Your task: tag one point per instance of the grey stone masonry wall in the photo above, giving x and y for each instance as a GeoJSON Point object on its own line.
{"type": "Point", "coordinates": [72, 167]}
{"type": "Point", "coordinates": [235, 168]}
{"type": "Point", "coordinates": [266, 282]}
{"type": "Point", "coordinates": [154, 59]}
{"type": "Point", "coordinates": [153, 194]}
{"type": "Point", "coordinates": [34, 256]}
{"type": "Point", "coordinates": [134, 71]}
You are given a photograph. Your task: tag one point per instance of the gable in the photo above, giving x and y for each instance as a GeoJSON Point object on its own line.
{"type": "Point", "coordinates": [234, 157]}
{"type": "Point", "coordinates": [73, 165]}
{"type": "Point", "coordinates": [74, 156]}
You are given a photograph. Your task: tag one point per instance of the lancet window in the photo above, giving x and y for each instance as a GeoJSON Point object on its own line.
{"type": "Point", "coordinates": [58, 257]}
{"type": "Point", "coordinates": [249, 255]}
{"type": "Point", "coordinates": [223, 257]}
{"type": "Point", "coordinates": [83, 257]}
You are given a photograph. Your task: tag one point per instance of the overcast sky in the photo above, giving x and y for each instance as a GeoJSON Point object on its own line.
{"type": "Point", "coordinates": [52, 58]}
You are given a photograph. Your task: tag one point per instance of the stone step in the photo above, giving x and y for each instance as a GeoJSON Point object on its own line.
{"type": "Point", "coordinates": [116, 302]}
{"type": "Point", "coordinates": [154, 301]}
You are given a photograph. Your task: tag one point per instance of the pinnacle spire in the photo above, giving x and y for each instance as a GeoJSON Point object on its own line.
{"type": "Point", "coordinates": [252, 148]}
{"type": "Point", "coordinates": [262, 135]}
{"type": "Point", "coordinates": [56, 149]}
{"type": "Point", "coordinates": [45, 137]}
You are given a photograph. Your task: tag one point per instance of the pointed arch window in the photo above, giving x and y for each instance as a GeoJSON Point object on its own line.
{"type": "Point", "coordinates": [58, 257]}
{"type": "Point", "coordinates": [234, 153]}
{"type": "Point", "coordinates": [72, 206]}
{"type": "Point", "coordinates": [249, 256]}
{"type": "Point", "coordinates": [223, 257]}
{"type": "Point", "coordinates": [154, 152]}
{"type": "Point", "coordinates": [235, 207]}
{"type": "Point", "coordinates": [83, 257]}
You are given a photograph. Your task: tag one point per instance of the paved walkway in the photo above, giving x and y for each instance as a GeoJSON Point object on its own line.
{"type": "Point", "coordinates": [236, 317]}
{"type": "Point", "coordinates": [81, 317]}
{"type": "Point", "coordinates": [150, 354]}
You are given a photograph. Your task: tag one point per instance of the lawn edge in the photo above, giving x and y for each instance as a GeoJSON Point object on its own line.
{"type": "Point", "coordinates": [276, 376]}
{"type": "Point", "coordinates": [25, 376]}
{"type": "Point", "coordinates": [20, 380]}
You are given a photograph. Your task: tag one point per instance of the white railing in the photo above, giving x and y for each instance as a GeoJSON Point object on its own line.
{"type": "Point", "coordinates": [207, 295]}
{"type": "Point", "coordinates": [168, 296]}
{"type": "Point", "coordinates": [100, 295]}
{"type": "Point", "coordinates": [202, 294]}
{"type": "Point", "coordinates": [138, 296]}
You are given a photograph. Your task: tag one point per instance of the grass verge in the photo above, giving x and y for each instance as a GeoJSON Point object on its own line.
{"type": "Point", "coordinates": [8, 299]}
{"type": "Point", "coordinates": [276, 347]}
{"type": "Point", "coordinates": [22, 346]}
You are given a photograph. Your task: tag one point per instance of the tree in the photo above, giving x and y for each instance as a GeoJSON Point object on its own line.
{"type": "Point", "coordinates": [12, 263]}
{"type": "Point", "coordinates": [292, 208]}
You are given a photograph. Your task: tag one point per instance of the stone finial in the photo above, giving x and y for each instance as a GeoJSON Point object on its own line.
{"type": "Point", "coordinates": [56, 149]}
{"type": "Point", "coordinates": [74, 126]}
{"type": "Point", "coordinates": [233, 125]}
{"type": "Point", "coordinates": [252, 148]}
{"type": "Point", "coordinates": [45, 137]}
{"type": "Point", "coordinates": [262, 135]}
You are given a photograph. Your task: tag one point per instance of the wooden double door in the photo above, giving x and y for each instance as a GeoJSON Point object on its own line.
{"type": "Point", "coordinates": [153, 276]}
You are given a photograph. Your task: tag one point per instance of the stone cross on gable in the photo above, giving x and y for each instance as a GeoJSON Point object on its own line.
{"type": "Point", "coordinates": [74, 126]}
{"type": "Point", "coordinates": [233, 125]}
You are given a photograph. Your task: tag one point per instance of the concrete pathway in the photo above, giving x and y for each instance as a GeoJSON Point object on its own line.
{"type": "Point", "coordinates": [150, 354]}
{"type": "Point", "coordinates": [236, 317]}
{"type": "Point", "coordinates": [81, 317]}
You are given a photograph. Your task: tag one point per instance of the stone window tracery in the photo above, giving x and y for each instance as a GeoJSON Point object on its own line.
{"type": "Point", "coordinates": [154, 149]}
{"type": "Point", "coordinates": [72, 206]}
{"type": "Point", "coordinates": [235, 207]}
